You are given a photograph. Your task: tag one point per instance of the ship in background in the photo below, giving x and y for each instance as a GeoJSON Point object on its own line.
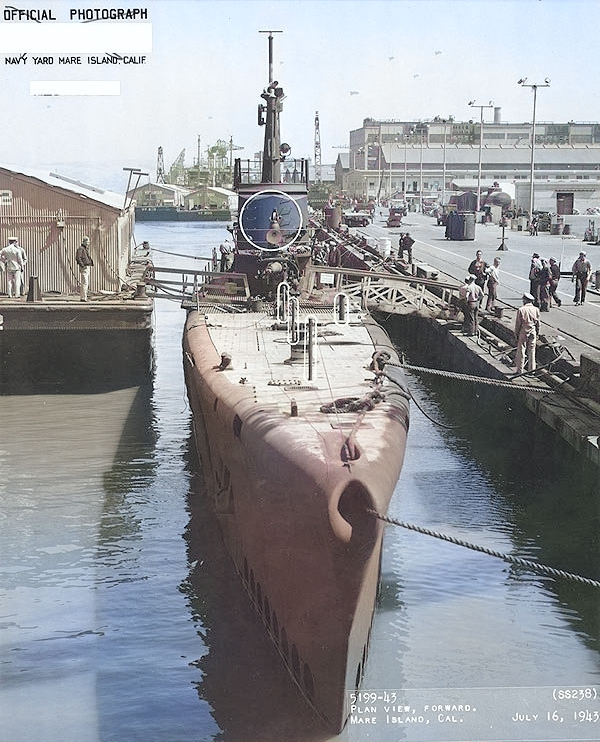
{"type": "Point", "coordinates": [300, 421]}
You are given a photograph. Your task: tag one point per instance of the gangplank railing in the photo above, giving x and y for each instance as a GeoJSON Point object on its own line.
{"type": "Point", "coordinates": [192, 285]}
{"type": "Point", "coordinates": [374, 288]}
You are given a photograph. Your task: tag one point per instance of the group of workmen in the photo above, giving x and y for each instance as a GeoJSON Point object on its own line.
{"type": "Point", "coordinates": [13, 261]}
{"type": "Point", "coordinates": [471, 293]}
{"type": "Point", "coordinates": [544, 276]}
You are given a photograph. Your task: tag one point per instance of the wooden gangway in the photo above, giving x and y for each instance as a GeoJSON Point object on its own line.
{"type": "Point", "coordinates": [393, 293]}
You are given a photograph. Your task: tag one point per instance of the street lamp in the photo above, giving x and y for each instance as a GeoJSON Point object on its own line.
{"type": "Point", "coordinates": [406, 138]}
{"type": "Point", "coordinates": [421, 176]}
{"type": "Point", "coordinates": [490, 105]}
{"type": "Point", "coordinates": [391, 158]}
{"type": "Point", "coordinates": [534, 87]}
{"type": "Point", "coordinates": [423, 130]}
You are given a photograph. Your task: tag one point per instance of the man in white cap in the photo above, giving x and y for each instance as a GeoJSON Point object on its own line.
{"type": "Point", "coordinates": [527, 327]}
{"type": "Point", "coordinates": [12, 259]}
{"type": "Point", "coordinates": [582, 270]}
{"type": "Point", "coordinates": [84, 261]}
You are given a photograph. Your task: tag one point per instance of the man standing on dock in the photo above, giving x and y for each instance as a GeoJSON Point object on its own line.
{"type": "Point", "coordinates": [470, 294]}
{"type": "Point", "coordinates": [227, 250]}
{"type": "Point", "coordinates": [527, 327]}
{"type": "Point", "coordinates": [84, 261]}
{"type": "Point", "coordinates": [12, 259]}
{"type": "Point", "coordinates": [582, 270]}
{"type": "Point", "coordinates": [493, 280]}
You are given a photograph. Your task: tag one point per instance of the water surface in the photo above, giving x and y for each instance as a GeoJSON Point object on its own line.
{"type": "Point", "coordinates": [121, 618]}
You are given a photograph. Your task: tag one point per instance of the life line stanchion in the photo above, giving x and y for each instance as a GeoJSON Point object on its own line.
{"type": "Point", "coordinates": [283, 301]}
{"type": "Point", "coordinates": [341, 308]}
{"type": "Point", "coordinates": [293, 330]}
{"type": "Point", "coordinates": [197, 293]}
{"type": "Point", "coordinates": [310, 346]}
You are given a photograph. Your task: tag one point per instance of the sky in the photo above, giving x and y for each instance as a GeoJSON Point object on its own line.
{"type": "Point", "coordinates": [346, 59]}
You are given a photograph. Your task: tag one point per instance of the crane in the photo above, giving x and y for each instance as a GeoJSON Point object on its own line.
{"type": "Point", "coordinates": [232, 146]}
{"type": "Point", "coordinates": [317, 149]}
{"type": "Point", "coordinates": [160, 167]}
{"type": "Point", "coordinates": [177, 170]}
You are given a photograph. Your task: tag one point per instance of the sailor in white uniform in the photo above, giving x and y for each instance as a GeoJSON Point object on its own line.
{"type": "Point", "coordinates": [13, 259]}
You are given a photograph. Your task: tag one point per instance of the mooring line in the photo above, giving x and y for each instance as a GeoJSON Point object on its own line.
{"type": "Point", "coordinates": [477, 379]}
{"type": "Point", "coordinates": [535, 566]}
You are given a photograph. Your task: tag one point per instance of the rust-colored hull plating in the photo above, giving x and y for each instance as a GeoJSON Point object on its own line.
{"type": "Point", "coordinates": [291, 491]}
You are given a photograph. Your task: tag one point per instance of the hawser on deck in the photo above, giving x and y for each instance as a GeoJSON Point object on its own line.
{"type": "Point", "coordinates": [50, 337]}
{"type": "Point", "coordinates": [299, 432]}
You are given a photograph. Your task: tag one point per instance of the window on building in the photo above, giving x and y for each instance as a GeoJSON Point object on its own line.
{"type": "Point", "coordinates": [6, 198]}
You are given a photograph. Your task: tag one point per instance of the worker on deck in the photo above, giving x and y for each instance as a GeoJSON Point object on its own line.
{"type": "Point", "coordinates": [527, 327]}
{"type": "Point", "coordinates": [226, 249]}
{"type": "Point", "coordinates": [470, 295]}
{"type": "Point", "coordinates": [405, 242]}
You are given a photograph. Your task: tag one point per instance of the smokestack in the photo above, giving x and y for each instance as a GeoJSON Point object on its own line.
{"type": "Point", "coordinates": [497, 116]}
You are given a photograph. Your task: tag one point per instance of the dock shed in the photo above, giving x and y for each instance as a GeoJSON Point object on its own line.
{"type": "Point", "coordinates": [49, 214]}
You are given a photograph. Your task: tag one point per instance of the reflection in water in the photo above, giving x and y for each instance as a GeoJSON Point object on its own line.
{"type": "Point", "coordinates": [54, 455]}
{"type": "Point", "coordinates": [251, 696]}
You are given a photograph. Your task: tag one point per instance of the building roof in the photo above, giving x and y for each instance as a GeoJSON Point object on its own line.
{"type": "Point", "coordinates": [108, 198]}
{"type": "Point", "coordinates": [170, 187]}
{"type": "Point", "coordinates": [457, 154]}
{"type": "Point", "coordinates": [343, 159]}
{"type": "Point", "coordinates": [222, 191]}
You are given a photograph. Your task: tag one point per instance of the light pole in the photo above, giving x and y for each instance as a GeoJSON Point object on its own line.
{"type": "Point", "coordinates": [534, 87]}
{"type": "Point", "coordinates": [445, 122]}
{"type": "Point", "coordinates": [421, 176]}
{"type": "Point", "coordinates": [404, 185]}
{"type": "Point", "coordinates": [473, 105]}
{"type": "Point", "coordinates": [422, 130]}
{"type": "Point", "coordinates": [444, 168]}
{"type": "Point", "coordinates": [391, 157]}
{"type": "Point", "coordinates": [406, 138]}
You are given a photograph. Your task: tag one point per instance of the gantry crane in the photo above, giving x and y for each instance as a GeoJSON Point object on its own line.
{"type": "Point", "coordinates": [317, 149]}
{"type": "Point", "coordinates": [160, 167]}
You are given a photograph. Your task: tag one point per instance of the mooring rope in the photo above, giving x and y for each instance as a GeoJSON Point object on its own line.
{"type": "Point", "coordinates": [535, 566]}
{"type": "Point", "coordinates": [477, 379]}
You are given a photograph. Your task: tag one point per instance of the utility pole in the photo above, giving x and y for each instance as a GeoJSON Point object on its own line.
{"type": "Point", "coordinates": [489, 105]}
{"type": "Point", "coordinates": [534, 87]}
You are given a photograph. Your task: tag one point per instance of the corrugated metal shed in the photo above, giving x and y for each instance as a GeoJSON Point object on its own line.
{"type": "Point", "coordinates": [49, 214]}
{"type": "Point", "coordinates": [208, 196]}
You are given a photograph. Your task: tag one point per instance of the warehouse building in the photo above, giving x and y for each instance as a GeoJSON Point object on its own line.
{"type": "Point", "coordinates": [421, 159]}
